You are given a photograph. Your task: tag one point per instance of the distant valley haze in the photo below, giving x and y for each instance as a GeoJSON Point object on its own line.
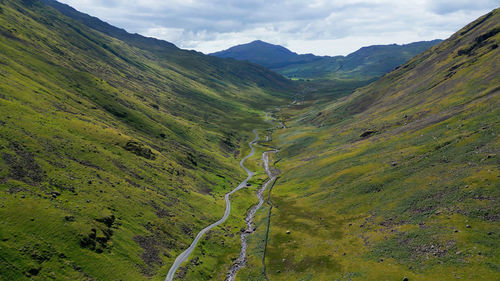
{"type": "Point", "coordinates": [320, 27]}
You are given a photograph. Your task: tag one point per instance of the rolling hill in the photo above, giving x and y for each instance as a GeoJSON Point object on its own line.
{"type": "Point", "coordinates": [115, 148]}
{"type": "Point", "coordinates": [365, 64]}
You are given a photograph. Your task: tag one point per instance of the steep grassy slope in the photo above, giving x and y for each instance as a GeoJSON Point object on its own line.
{"type": "Point", "coordinates": [399, 179]}
{"type": "Point", "coordinates": [363, 65]}
{"type": "Point", "coordinates": [114, 151]}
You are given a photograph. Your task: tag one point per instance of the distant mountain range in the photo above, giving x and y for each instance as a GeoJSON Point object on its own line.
{"type": "Point", "coordinates": [366, 63]}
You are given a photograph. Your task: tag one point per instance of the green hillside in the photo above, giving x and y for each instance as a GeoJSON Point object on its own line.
{"type": "Point", "coordinates": [399, 179]}
{"type": "Point", "coordinates": [115, 149]}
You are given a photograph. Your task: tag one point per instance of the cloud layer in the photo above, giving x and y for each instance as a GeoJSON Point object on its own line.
{"type": "Point", "coordinates": [322, 27]}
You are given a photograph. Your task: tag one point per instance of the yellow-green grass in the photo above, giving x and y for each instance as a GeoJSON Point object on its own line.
{"type": "Point", "coordinates": [220, 247]}
{"type": "Point", "coordinates": [113, 155]}
{"type": "Point", "coordinates": [416, 197]}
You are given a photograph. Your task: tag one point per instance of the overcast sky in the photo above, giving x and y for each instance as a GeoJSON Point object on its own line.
{"type": "Point", "coordinates": [321, 27]}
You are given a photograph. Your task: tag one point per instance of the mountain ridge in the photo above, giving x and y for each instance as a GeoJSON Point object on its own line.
{"type": "Point", "coordinates": [366, 63]}
{"type": "Point", "coordinates": [106, 28]}
{"type": "Point", "coordinates": [266, 54]}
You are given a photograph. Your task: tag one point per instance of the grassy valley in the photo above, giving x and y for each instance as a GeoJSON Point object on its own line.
{"type": "Point", "coordinates": [326, 78]}
{"type": "Point", "coordinates": [115, 149]}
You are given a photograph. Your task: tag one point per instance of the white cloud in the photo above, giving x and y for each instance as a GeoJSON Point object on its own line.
{"type": "Point", "coordinates": [324, 27]}
{"type": "Point", "coordinates": [451, 6]}
{"type": "Point", "coordinates": [166, 33]}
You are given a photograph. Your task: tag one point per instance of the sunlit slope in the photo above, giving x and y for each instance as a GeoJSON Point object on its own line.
{"type": "Point", "coordinates": [399, 179]}
{"type": "Point", "coordinates": [113, 155]}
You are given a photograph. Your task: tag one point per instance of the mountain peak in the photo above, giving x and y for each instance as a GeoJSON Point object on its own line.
{"type": "Point", "coordinates": [259, 42]}
{"type": "Point", "coordinates": [264, 53]}
{"type": "Point", "coordinates": [371, 61]}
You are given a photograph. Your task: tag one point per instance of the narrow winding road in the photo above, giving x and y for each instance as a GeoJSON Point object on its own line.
{"type": "Point", "coordinates": [185, 255]}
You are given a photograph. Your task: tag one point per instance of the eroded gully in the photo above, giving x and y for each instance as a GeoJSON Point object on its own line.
{"type": "Point", "coordinates": [241, 260]}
